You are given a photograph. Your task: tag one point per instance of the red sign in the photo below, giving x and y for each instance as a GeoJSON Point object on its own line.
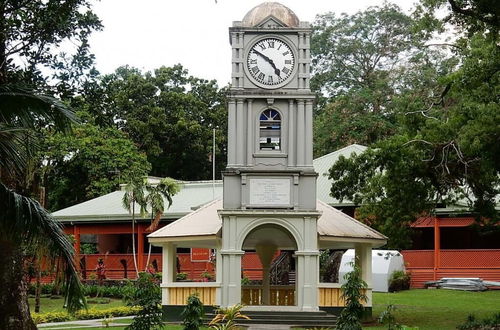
{"type": "Point", "coordinates": [200, 255]}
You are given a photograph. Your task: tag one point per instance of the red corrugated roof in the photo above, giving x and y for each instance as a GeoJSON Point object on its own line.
{"type": "Point", "coordinates": [443, 222]}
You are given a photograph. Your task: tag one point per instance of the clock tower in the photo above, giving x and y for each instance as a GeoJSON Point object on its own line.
{"type": "Point", "coordinates": [269, 202]}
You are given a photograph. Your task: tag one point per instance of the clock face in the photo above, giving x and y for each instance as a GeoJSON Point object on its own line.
{"type": "Point", "coordinates": [270, 62]}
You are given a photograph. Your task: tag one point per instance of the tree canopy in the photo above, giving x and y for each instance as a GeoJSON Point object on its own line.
{"type": "Point", "coordinates": [168, 114]}
{"type": "Point", "coordinates": [446, 148]}
{"type": "Point", "coordinates": [366, 66]}
{"type": "Point", "coordinates": [30, 34]}
{"type": "Point", "coordinates": [94, 159]}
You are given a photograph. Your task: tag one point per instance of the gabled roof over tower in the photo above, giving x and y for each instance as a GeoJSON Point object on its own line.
{"type": "Point", "coordinates": [270, 10]}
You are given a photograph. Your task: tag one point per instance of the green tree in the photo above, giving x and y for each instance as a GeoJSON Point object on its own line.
{"type": "Point", "coordinates": [30, 33]}
{"type": "Point", "coordinates": [25, 227]}
{"type": "Point", "coordinates": [94, 159]}
{"type": "Point", "coordinates": [446, 150]}
{"type": "Point", "coordinates": [354, 294]}
{"type": "Point", "coordinates": [168, 114]}
{"type": "Point", "coordinates": [192, 314]}
{"type": "Point", "coordinates": [155, 198]}
{"type": "Point", "coordinates": [147, 294]}
{"type": "Point", "coordinates": [134, 196]}
{"type": "Point", "coordinates": [364, 66]}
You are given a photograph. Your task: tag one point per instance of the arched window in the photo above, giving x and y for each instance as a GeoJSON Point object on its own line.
{"type": "Point", "coordinates": [270, 130]}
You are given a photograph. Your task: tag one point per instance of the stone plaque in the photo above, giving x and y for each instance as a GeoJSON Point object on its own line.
{"type": "Point", "coordinates": [270, 192]}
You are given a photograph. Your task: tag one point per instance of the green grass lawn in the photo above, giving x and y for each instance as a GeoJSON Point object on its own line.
{"type": "Point", "coordinates": [56, 305]}
{"type": "Point", "coordinates": [426, 309]}
{"type": "Point", "coordinates": [436, 309]}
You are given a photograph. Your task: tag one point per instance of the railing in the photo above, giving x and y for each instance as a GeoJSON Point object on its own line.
{"type": "Point", "coordinates": [178, 293]}
{"type": "Point", "coordinates": [279, 295]}
{"type": "Point", "coordinates": [117, 266]}
{"type": "Point", "coordinates": [330, 295]}
{"type": "Point", "coordinates": [451, 263]}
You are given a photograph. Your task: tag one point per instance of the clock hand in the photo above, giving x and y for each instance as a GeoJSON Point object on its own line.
{"type": "Point", "coordinates": [270, 61]}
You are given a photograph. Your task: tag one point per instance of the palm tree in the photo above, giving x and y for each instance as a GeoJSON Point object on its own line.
{"type": "Point", "coordinates": [25, 226]}
{"type": "Point", "coordinates": [166, 188]}
{"type": "Point", "coordinates": [134, 194]}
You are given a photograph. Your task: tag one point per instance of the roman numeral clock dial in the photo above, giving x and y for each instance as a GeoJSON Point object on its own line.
{"type": "Point", "coordinates": [270, 62]}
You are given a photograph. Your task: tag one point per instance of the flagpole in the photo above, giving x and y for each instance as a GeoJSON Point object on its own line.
{"type": "Point", "coordinates": [213, 164]}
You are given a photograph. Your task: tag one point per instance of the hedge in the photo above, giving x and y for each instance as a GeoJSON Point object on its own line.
{"type": "Point", "coordinates": [89, 314]}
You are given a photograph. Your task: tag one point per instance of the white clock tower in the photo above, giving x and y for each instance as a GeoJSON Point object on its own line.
{"type": "Point", "coordinates": [270, 183]}
{"type": "Point", "coordinates": [269, 190]}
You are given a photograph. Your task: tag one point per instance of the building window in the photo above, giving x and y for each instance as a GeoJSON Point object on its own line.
{"type": "Point", "coordinates": [270, 130]}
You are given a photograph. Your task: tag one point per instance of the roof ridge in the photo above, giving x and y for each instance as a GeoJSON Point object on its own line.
{"type": "Point", "coordinates": [355, 145]}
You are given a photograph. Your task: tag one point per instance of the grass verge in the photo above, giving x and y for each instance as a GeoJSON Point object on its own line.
{"type": "Point", "coordinates": [436, 309]}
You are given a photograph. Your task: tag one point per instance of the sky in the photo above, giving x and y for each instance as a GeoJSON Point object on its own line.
{"type": "Point", "coordinates": [148, 34]}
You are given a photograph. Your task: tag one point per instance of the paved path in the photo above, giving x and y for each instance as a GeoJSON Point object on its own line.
{"type": "Point", "coordinates": [81, 323]}
{"type": "Point", "coordinates": [269, 327]}
{"type": "Point", "coordinates": [98, 323]}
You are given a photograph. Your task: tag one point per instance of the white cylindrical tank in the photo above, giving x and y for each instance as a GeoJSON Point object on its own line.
{"type": "Point", "coordinates": [384, 263]}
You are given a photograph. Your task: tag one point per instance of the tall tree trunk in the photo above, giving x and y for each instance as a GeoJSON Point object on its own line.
{"type": "Point", "coordinates": [14, 308]}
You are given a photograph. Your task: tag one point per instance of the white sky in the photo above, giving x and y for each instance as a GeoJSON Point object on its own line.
{"type": "Point", "coordinates": [150, 33]}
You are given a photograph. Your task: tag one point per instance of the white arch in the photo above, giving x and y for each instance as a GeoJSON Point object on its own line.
{"type": "Point", "coordinates": [299, 240]}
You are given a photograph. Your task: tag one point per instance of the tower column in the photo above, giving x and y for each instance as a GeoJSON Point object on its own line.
{"type": "Point", "coordinates": [250, 137]}
{"type": "Point", "coordinates": [291, 134]}
{"type": "Point", "coordinates": [307, 280]}
{"type": "Point", "coordinates": [309, 133]}
{"type": "Point", "coordinates": [231, 136]}
{"type": "Point", "coordinates": [300, 133]}
{"type": "Point", "coordinates": [240, 146]}
{"type": "Point", "coordinates": [231, 277]}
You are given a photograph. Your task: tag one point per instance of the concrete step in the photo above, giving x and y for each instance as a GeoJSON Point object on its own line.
{"type": "Point", "coordinates": [307, 319]}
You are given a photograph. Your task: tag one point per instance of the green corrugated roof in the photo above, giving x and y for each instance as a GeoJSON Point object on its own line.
{"type": "Point", "coordinates": [109, 207]}
{"type": "Point", "coordinates": [192, 195]}
{"type": "Point", "coordinates": [322, 166]}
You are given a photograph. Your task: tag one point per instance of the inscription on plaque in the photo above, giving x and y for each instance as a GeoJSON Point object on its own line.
{"type": "Point", "coordinates": [270, 192]}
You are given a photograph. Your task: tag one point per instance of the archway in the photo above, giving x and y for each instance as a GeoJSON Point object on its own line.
{"type": "Point", "coordinates": [272, 282]}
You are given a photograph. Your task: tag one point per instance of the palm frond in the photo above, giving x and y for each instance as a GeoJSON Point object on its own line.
{"type": "Point", "coordinates": [166, 188]}
{"type": "Point", "coordinates": [25, 106]}
{"type": "Point", "coordinates": [13, 156]}
{"type": "Point", "coordinates": [27, 224]}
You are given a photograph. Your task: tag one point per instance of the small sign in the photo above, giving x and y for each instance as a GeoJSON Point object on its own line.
{"type": "Point", "coordinates": [198, 254]}
{"type": "Point", "coordinates": [270, 192]}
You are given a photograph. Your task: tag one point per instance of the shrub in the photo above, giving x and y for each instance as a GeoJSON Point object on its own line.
{"type": "Point", "coordinates": [225, 319]}
{"type": "Point", "coordinates": [89, 314]}
{"type": "Point", "coordinates": [387, 318]}
{"type": "Point", "coordinates": [50, 317]}
{"type": "Point", "coordinates": [193, 313]}
{"type": "Point", "coordinates": [473, 323]}
{"type": "Point", "coordinates": [353, 294]}
{"type": "Point", "coordinates": [181, 276]}
{"type": "Point", "coordinates": [92, 313]}
{"type": "Point", "coordinates": [113, 291]}
{"type": "Point", "coordinates": [147, 294]}
{"type": "Point", "coordinates": [400, 280]}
